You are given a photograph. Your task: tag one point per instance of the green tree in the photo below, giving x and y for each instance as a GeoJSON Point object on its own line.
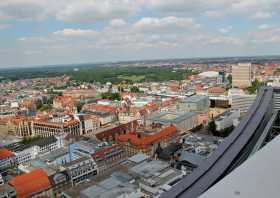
{"type": "Point", "coordinates": [79, 106]}
{"type": "Point", "coordinates": [111, 96]}
{"type": "Point", "coordinates": [256, 85]}
{"type": "Point", "coordinates": [134, 89]}
{"type": "Point", "coordinates": [229, 79]}
{"type": "Point", "coordinates": [212, 127]}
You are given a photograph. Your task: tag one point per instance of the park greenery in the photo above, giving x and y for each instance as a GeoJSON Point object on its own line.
{"type": "Point", "coordinates": [102, 74]}
{"type": "Point", "coordinates": [130, 74]}
{"type": "Point", "coordinates": [111, 96]}
{"type": "Point", "coordinates": [134, 89]}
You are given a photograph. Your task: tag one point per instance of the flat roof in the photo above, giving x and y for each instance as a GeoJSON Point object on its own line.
{"type": "Point", "coordinates": [148, 169]}
{"type": "Point", "coordinates": [257, 177]}
{"type": "Point", "coordinates": [195, 98]}
{"type": "Point", "coordinates": [171, 116]}
{"type": "Point", "coordinates": [138, 158]}
{"type": "Point", "coordinates": [109, 188]}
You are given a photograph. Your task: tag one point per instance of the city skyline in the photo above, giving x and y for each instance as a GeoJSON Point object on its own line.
{"type": "Point", "coordinates": [46, 32]}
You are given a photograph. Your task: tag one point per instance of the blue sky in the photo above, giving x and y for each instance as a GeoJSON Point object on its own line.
{"type": "Point", "coordinates": [39, 32]}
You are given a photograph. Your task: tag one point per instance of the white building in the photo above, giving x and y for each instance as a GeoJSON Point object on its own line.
{"type": "Point", "coordinates": [24, 154]}
{"type": "Point", "coordinates": [81, 169]}
{"type": "Point", "coordinates": [240, 101]}
{"type": "Point", "coordinates": [226, 119]}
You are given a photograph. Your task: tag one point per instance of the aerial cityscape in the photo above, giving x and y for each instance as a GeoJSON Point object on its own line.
{"type": "Point", "coordinates": [144, 99]}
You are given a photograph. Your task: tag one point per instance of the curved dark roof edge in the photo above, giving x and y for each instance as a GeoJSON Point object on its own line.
{"type": "Point", "coordinates": [219, 162]}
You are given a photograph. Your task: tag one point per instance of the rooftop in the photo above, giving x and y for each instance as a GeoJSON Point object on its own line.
{"type": "Point", "coordinates": [171, 117]}
{"type": "Point", "coordinates": [195, 98]}
{"type": "Point", "coordinates": [114, 186]}
{"type": "Point", "coordinates": [192, 158]}
{"type": "Point", "coordinates": [150, 168]}
{"type": "Point", "coordinates": [5, 153]}
{"type": "Point", "coordinates": [30, 183]}
{"type": "Point", "coordinates": [138, 158]}
{"type": "Point", "coordinates": [144, 142]}
{"type": "Point", "coordinates": [216, 90]}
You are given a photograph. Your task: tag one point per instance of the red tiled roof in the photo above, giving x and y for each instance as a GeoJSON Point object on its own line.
{"type": "Point", "coordinates": [64, 101]}
{"type": "Point", "coordinates": [5, 153]}
{"type": "Point", "coordinates": [151, 106]}
{"type": "Point", "coordinates": [30, 183]}
{"type": "Point", "coordinates": [199, 87]}
{"type": "Point", "coordinates": [216, 90]}
{"type": "Point", "coordinates": [145, 141]}
{"type": "Point", "coordinates": [98, 107]}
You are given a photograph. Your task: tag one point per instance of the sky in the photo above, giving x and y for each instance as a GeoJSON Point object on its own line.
{"type": "Point", "coordinates": [44, 32]}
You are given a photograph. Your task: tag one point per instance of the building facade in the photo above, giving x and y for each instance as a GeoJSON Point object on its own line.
{"type": "Point", "coordinates": [81, 169]}
{"type": "Point", "coordinates": [242, 75]}
{"type": "Point", "coordinates": [196, 103]}
{"type": "Point", "coordinates": [47, 129]}
{"type": "Point", "coordinates": [133, 143]}
{"type": "Point", "coordinates": [242, 102]}
{"type": "Point", "coordinates": [7, 159]}
{"type": "Point", "coordinates": [226, 119]}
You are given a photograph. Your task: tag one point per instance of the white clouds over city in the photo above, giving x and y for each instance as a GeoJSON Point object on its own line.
{"type": "Point", "coordinates": [99, 30]}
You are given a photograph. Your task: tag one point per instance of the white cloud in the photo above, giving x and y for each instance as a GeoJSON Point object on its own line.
{"type": "Point", "coordinates": [82, 11]}
{"type": "Point", "coordinates": [5, 26]}
{"type": "Point", "coordinates": [26, 9]}
{"type": "Point", "coordinates": [262, 15]}
{"type": "Point", "coordinates": [170, 24]}
{"type": "Point", "coordinates": [135, 28]}
{"type": "Point", "coordinates": [254, 9]}
{"type": "Point", "coordinates": [266, 33]}
{"type": "Point", "coordinates": [117, 23]}
{"type": "Point", "coordinates": [214, 13]}
{"type": "Point", "coordinates": [76, 32]}
{"type": "Point", "coordinates": [225, 30]}
{"type": "Point", "coordinates": [145, 34]}
{"type": "Point", "coordinates": [90, 11]}
{"type": "Point", "coordinates": [225, 41]}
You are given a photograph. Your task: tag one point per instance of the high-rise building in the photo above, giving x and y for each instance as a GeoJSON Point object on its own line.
{"type": "Point", "coordinates": [241, 75]}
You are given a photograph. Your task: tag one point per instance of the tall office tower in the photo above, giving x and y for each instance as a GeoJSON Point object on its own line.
{"type": "Point", "coordinates": [242, 75]}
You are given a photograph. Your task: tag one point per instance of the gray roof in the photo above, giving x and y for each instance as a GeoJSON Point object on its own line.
{"type": "Point", "coordinates": [195, 98]}
{"type": "Point", "coordinates": [149, 169]}
{"type": "Point", "coordinates": [55, 154]}
{"type": "Point", "coordinates": [140, 157]}
{"type": "Point", "coordinates": [175, 117]}
{"type": "Point", "coordinates": [109, 188]}
{"type": "Point", "coordinates": [76, 161]}
{"type": "Point", "coordinates": [192, 158]}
